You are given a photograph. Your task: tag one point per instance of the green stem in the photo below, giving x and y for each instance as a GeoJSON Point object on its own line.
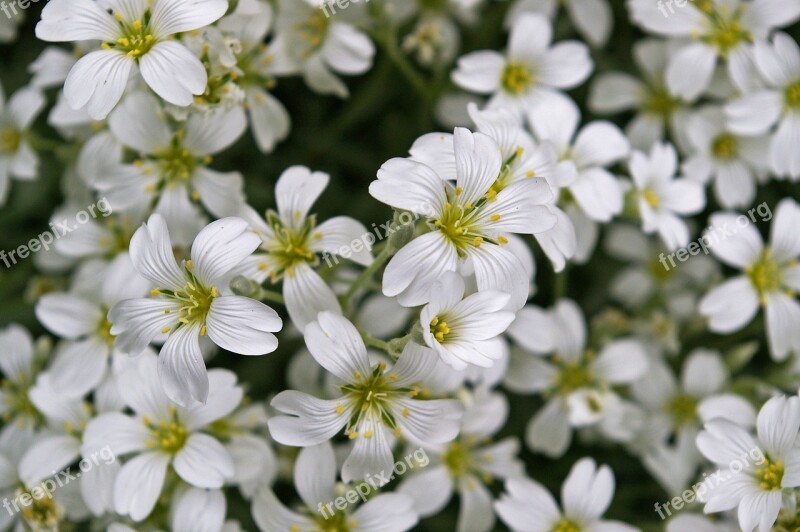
{"type": "Point", "coordinates": [371, 341]}
{"type": "Point", "coordinates": [560, 288]}
{"type": "Point", "coordinates": [367, 274]}
{"type": "Point", "coordinates": [269, 295]}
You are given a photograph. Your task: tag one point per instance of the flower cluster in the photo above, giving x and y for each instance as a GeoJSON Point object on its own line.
{"type": "Point", "coordinates": [517, 303]}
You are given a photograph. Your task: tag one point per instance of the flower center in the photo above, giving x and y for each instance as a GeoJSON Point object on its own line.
{"type": "Point", "coordinates": [765, 274]}
{"type": "Point", "coordinates": [137, 38]}
{"type": "Point", "coordinates": [336, 522]}
{"type": "Point", "coordinates": [371, 396]}
{"type": "Point", "coordinates": [651, 198]}
{"type": "Point", "coordinates": [168, 435]}
{"type": "Point", "coordinates": [574, 377]}
{"type": "Point", "coordinates": [516, 78]}
{"type": "Point", "coordinates": [10, 140]}
{"type": "Point", "coordinates": [313, 30]}
{"type": "Point", "coordinates": [291, 246]}
{"type": "Point", "coordinates": [682, 409]}
{"type": "Point", "coordinates": [195, 300]}
{"type": "Point", "coordinates": [770, 475]}
{"type": "Point", "coordinates": [176, 163]}
{"type": "Point", "coordinates": [104, 329]}
{"type": "Point", "coordinates": [458, 223]}
{"type": "Point", "coordinates": [659, 102]}
{"type": "Point", "coordinates": [792, 96]}
{"type": "Point", "coordinates": [725, 147]}
{"type": "Point", "coordinates": [439, 329]}
{"type": "Point", "coordinates": [567, 525]}
{"type": "Point", "coordinates": [726, 31]}
{"type": "Point", "coordinates": [18, 405]}
{"type": "Point", "coordinates": [432, 5]}
{"type": "Point", "coordinates": [458, 459]}
{"type": "Point", "coordinates": [43, 513]}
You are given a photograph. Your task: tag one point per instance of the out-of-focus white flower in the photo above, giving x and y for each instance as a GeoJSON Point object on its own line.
{"type": "Point", "coordinates": [159, 435]}
{"type": "Point", "coordinates": [134, 34]}
{"type": "Point", "coordinates": [315, 480]}
{"type": "Point", "coordinates": [460, 327]}
{"type": "Point", "coordinates": [466, 465]}
{"type": "Point", "coordinates": [661, 198]}
{"type": "Point", "coordinates": [594, 19]}
{"type": "Point", "coordinates": [586, 494]}
{"type": "Point", "coordinates": [191, 301]}
{"type": "Point", "coordinates": [17, 157]}
{"type": "Point", "coordinates": [718, 29]}
{"type": "Point", "coordinates": [319, 46]}
{"type": "Point", "coordinates": [732, 161]}
{"type": "Point", "coordinates": [378, 403]}
{"type": "Point", "coordinates": [531, 73]}
{"type": "Point", "coordinates": [771, 278]}
{"type": "Point", "coordinates": [577, 382]}
{"type": "Point", "coordinates": [756, 470]}
{"type": "Point", "coordinates": [756, 113]}
{"type": "Point", "coordinates": [20, 368]}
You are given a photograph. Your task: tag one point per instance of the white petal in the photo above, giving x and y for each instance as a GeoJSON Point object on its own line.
{"type": "Point", "coordinates": [784, 237]}
{"type": "Point", "coordinates": [475, 511]}
{"type": "Point", "coordinates": [79, 367]}
{"type": "Point", "coordinates": [320, 78]}
{"type": "Point", "coordinates": [615, 92]}
{"type": "Point", "coordinates": [137, 322]}
{"type": "Point", "coordinates": [479, 71]}
{"type": "Point", "coordinates": [785, 161]}
{"type": "Point", "coordinates": [347, 50]}
{"type": "Point", "coordinates": [783, 315]}
{"type": "Point", "coordinates": [119, 432]}
{"type": "Point", "coordinates": [478, 163]}
{"type": "Point", "coordinates": [343, 232]}
{"type": "Point", "coordinates": [269, 119]}
{"type": "Point", "coordinates": [243, 325]}
{"type": "Point", "coordinates": [224, 396]}
{"type": "Point", "coordinates": [621, 361]}
{"type": "Point", "coordinates": [311, 420]}
{"type": "Point", "coordinates": [178, 16]}
{"type": "Point", "coordinates": [530, 36]}
{"type": "Point", "coordinates": [388, 511]}
{"type": "Point", "coordinates": [434, 421]}
{"type": "Point", "coordinates": [173, 73]}
{"type": "Point", "coordinates": [337, 346]}
{"type": "Point", "coordinates": [210, 133]}
{"type": "Point", "coordinates": [431, 490]}
{"type": "Point", "coordinates": [587, 491]}
{"type": "Point", "coordinates": [151, 253]}
{"type": "Point", "coordinates": [221, 246]}
{"type": "Point", "coordinates": [498, 269]}
{"type": "Point", "coordinates": [417, 266]}
{"type": "Point", "coordinates": [139, 484]}
{"type": "Point", "coordinates": [48, 454]}
{"type": "Point", "coordinates": [740, 249]}
{"type": "Point", "coordinates": [527, 505]}
{"type": "Point", "coordinates": [181, 369]}
{"type": "Point", "coordinates": [140, 124]}
{"type": "Point", "coordinates": [68, 316]}
{"type": "Point", "coordinates": [593, 18]}
{"type": "Point", "coordinates": [203, 462]}
{"type": "Point", "coordinates": [730, 306]}
{"type": "Point", "coordinates": [549, 431]}
{"type": "Point", "coordinates": [315, 474]}
{"type": "Point", "coordinates": [566, 65]}
{"type": "Point", "coordinates": [690, 70]}
{"type": "Point", "coordinates": [600, 144]}
{"type": "Point", "coordinates": [409, 185]}
{"type": "Point", "coordinates": [755, 113]}
{"type": "Point", "coordinates": [98, 79]}
{"type": "Point", "coordinates": [221, 193]}
{"type": "Point", "coordinates": [65, 20]}
{"type": "Point", "coordinates": [296, 191]}
{"type": "Point", "coordinates": [703, 373]}
{"type": "Point", "coordinates": [199, 510]}
{"type": "Point", "coordinates": [306, 295]}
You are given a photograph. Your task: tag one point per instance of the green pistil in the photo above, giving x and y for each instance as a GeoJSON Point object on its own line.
{"type": "Point", "coordinates": [10, 139]}
{"type": "Point", "coordinates": [682, 409]}
{"type": "Point", "coordinates": [168, 435]}
{"type": "Point", "coordinates": [726, 31]}
{"type": "Point", "coordinates": [792, 96]}
{"type": "Point", "coordinates": [766, 275]}
{"type": "Point", "coordinates": [660, 103]}
{"type": "Point", "coordinates": [137, 37]}
{"type": "Point", "coordinates": [313, 30]}
{"type": "Point", "coordinates": [516, 78]}
{"type": "Point", "coordinates": [567, 525]}
{"type": "Point", "coordinates": [574, 376]}
{"type": "Point", "coordinates": [725, 147]}
{"type": "Point", "coordinates": [372, 396]}
{"type": "Point", "coordinates": [292, 246]}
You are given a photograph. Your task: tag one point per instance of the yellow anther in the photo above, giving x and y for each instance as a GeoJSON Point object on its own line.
{"type": "Point", "coordinates": [339, 409]}
{"type": "Point", "coordinates": [405, 412]}
{"type": "Point", "coordinates": [155, 292]}
{"type": "Point", "coordinates": [495, 217]}
{"type": "Point", "coordinates": [502, 239]}
{"type": "Point", "coordinates": [165, 330]}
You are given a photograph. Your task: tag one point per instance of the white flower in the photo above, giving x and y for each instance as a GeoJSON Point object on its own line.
{"type": "Point", "coordinates": [732, 161]}
{"type": "Point", "coordinates": [460, 328]}
{"type": "Point", "coordinates": [594, 19]}
{"type": "Point", "coordinates": [198, 509]}
{"type": "Point", "coordinates": [771, 277]}
{"type": "Point", "coordinates": [662, 198]}
{"type": "Point", "coordinates": [755, 114]}
{"type": "Point", "coordinates": [577, 382]}
{"type": "Point", "coordinates": [159, 435]}
{"type": "Point", "coordinates": [20, 368]}
{"type": "Point", "coordinates": [587, 491]}
{"type": "Point", "coordinates": [171, 169]}
{"type": "Point", "coordinates": [378, 403]}
{"type": "Point", "coordinates": [315, 480]}
{"type": "Point", "coordinates": [531, 72]}
{"type": "Point", "coordinates": [468, 220]}
{"type": "Point", "coordinates": [657, 107]}
{"type": "Point", "coordinates": [17, 157]}
{"type": "Point", "coordinates": [292, 241]}
{"type": "Point", "coordinates": [584, 157]}
{"type": "Point", "coordinates": [468, 464]}
{"type": "Point", "coordinates": [134, 33]}
{"type": "Point", "coordinates": [319, 46]}
{"type": "Point", "coordinates": [190, 301]}
{"type": "Point", "coordinates": [81, 362]}
{"type": "Point", "coordinates": [254, 72]}
{"type": "Point", "coordinates": [718, 29]}
{"type": "Point", "coordinates": [756, 470]}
